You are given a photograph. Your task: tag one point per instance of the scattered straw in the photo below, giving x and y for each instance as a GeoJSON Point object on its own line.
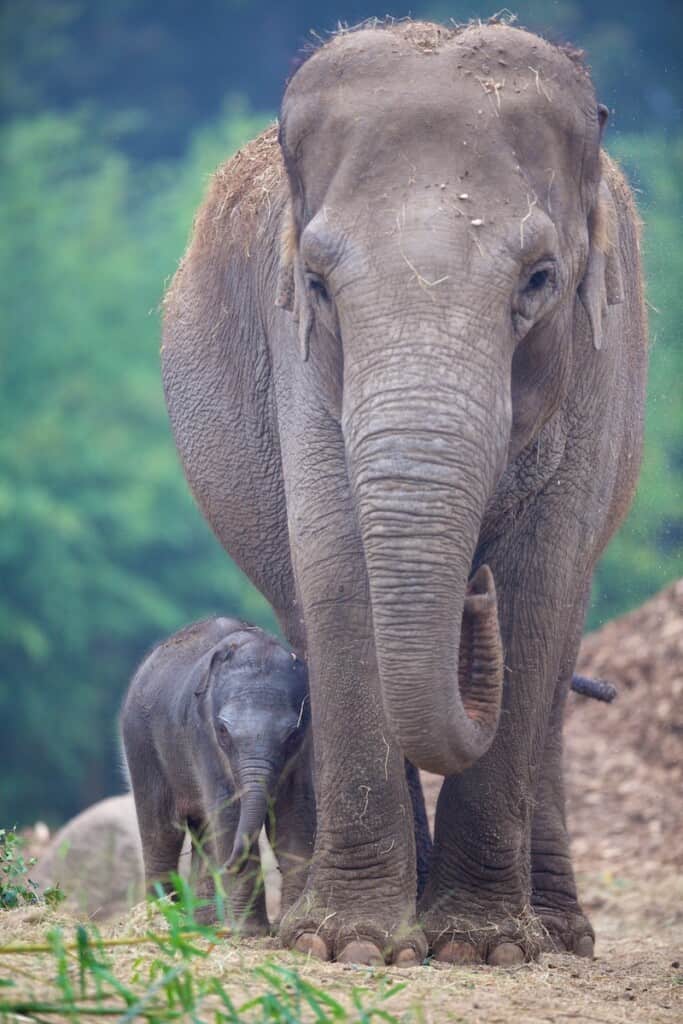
{"type": "Point", "coordinates": [532, 202]}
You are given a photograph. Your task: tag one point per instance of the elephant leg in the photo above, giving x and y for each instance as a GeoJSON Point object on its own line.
{"type": "Point", "coordinates": [291, 833]}
{"type": "Point", "coordinates": [358, 904]}
{"type": "Point", "coordinates": [161, 835]}
{"type": "Point", "coordinates": [554, 895]}
{"type": "Point", "coordinates": [553, 886]}
{"type": "Point", "coordinates": [423, 838]}
{"type": "Point", "coordinates": [241, 890]}
{"type": "Point", "coordinates": [196, 829]}
{"type": "Point", "coordinates": [477, 904]}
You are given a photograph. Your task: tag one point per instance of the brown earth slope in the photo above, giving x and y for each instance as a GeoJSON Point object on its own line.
{"type": "Point", "coordinates": [624, 763]}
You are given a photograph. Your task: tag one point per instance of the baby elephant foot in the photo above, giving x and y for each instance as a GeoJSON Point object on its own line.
{"type": "Point", "coordinates": [501, 942]}
{"type": "Point", "coordinates": [250, 921]}
{"type": "Point", "coordinates": [566, 931]}
{"type": "Point", "coordinates": [242, 925]}
{"type": "Point", "coordinates": [327, 934]}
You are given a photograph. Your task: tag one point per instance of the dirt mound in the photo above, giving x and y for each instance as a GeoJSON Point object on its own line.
{"type": "Point", "coordinates": [624, 762]}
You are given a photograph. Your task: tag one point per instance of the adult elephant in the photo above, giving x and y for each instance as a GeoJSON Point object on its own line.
{"type": "Point", "coordinates": [406, 349]}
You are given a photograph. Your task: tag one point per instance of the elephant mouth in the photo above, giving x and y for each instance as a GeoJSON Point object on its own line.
{"type": "Point", "coordinates": [480, 656]}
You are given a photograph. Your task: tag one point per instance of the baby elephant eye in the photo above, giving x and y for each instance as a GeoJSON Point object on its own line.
{"type": "Point", "coordinates": [223, 730]}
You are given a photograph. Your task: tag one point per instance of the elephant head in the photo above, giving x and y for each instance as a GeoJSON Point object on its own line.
{"type": "Point", "coordinates": [255, 701]}
{"type": "Point", "coordinates": [447, 256]}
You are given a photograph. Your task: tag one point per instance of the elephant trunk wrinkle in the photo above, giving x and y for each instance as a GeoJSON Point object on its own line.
{"type": "Point", "coordinates": [256, 781]}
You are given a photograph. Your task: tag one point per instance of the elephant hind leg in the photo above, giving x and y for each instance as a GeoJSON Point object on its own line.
{"type": "Point", "coordinates": [423, 838]}
{"type": "Point", "coordinates": [554, 896]}
{"type": "Point", "coordinates": [162, 842]}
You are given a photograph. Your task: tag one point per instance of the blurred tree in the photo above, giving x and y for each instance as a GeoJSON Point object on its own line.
{"type": "Point", "coordinates": [102, 551]}
{"type": "Point", "coordinates": [648, 550]}
{"type": "Point", "coordinates": [158, 70]}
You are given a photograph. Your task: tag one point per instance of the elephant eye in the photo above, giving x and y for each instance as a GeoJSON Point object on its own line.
{"type": "Point", "coordinates": [536, 292]}
{"type": "Point", "coordinates": [541, 277]}
{"type": "Point", "coordinates": [316, 286]}
{"type": "Point", "coordinates": [537, 280]}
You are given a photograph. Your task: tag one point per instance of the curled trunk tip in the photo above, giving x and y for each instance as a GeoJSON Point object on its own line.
{"type": "Point", "coordinates": [471, 718]}
{"type": "Point", "coordinates": [480, 675]}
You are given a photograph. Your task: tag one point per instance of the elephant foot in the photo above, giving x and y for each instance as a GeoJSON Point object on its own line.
{"type": "Point", "coordinates": [566, 931]}
{"type": "Point", "coordinates": [505, 941]}
{"type": "Point", "coordinates": [329, 934]}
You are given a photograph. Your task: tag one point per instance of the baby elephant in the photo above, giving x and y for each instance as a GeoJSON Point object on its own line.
{"type": "Point", "coordinates": [215, 731]}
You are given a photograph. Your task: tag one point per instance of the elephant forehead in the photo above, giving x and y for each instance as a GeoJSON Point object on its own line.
{"type": "Point", "coordinates": [489, 100]}
{"type": "Point", "coordinates": [373, 71]}
{"type": "Point", "coordinates": [257, 693]}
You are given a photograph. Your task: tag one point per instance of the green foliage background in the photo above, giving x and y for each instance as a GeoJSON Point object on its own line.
{"type": "Point", "coordinates": [102, 551]}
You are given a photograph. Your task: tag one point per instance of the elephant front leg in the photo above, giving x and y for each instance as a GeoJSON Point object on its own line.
{"type": "Point", "coordinates": [358, 904]}
{"type": "Point", "coordinates": [291, 831]}
{"type": "Point", "coordinates": [478, 901]}
{"type": "Point", "coordinates": [476, 906]}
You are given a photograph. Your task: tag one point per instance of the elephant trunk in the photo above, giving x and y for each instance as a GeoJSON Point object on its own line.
{"type": "Point", "coordinates": [423, 469]}
{"type": "Point", "coordinates": [256, 785]}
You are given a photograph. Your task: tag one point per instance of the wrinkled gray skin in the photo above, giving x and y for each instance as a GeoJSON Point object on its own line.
{"type": "Point", "coordinates": [215, 731]}
{"type": "Point", "coordinates": [404, 351]}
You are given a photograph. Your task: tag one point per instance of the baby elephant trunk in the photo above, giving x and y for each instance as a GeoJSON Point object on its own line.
{"type": "Point", "coordinates": [256, 786]}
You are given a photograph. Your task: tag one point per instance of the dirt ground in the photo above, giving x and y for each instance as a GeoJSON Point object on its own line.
{"type": "Point", "coordinates": [624, 770]}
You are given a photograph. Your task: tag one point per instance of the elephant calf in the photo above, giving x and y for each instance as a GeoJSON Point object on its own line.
{"type": "Point", "coordinates": [215, 731]}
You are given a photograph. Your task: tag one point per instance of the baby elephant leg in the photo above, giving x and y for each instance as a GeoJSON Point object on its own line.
{"type": "Point", "coordinates": [161, 836]}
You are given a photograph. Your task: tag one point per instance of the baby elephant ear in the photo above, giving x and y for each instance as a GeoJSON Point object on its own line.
{"type": "Point", "coordinates": [291, 287]}
{"type": "Point", "coordinates": [601, 285]}
{"type": "Point", "coordinates": [207, 665]}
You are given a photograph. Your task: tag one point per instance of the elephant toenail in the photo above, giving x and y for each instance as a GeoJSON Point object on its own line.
{"type": "Point", "coordinates": [406, 958]}
{"type": "Point", "coordinates": [313, 945]}
{"type": "Point", "coordinates": [507, 954]}
{"type": "Point", "coordinates": [584, 947]}
{"type": "Point", "coordinates": [360, 952]}
{"type": "Point", "coordinates": [457, 953]}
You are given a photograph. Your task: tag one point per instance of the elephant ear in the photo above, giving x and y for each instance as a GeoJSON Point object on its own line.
{"type": "Point", "coordinates": [206, 667]}
{"type": "Point", "coordinates": [291, 287]}
{"type": "Point", "coordinates": [601, 285]}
